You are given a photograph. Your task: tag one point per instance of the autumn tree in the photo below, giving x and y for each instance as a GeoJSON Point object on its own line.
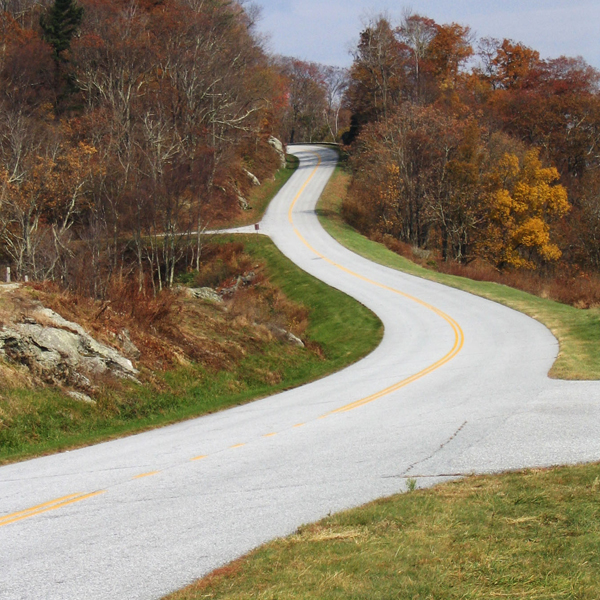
{"type": "Point", "coordinates": [307, 106]}
{"type": "Point", "coordinates": [416, 33]}
{"type": "Point", "coordinates": [377, 76]}
{"type": "Point", "coordinates": [336, 81]}
{"type": "Point", "coordinates": [449, 50]}
{"type": "Point", "coordinates": [506, 64]}
{"type": "Point", "coordinates": [524, 202]}
{"type": "Point", "coordinates": [42, 196]}
{"type": "Point", "coordinates": [458, 208]}
{"type": "Point", "coordinates": [418, 177]}
{"type": "Point", "coordinates": [177, 100]}
{"type": "Point", "coordinates": [398, 164]}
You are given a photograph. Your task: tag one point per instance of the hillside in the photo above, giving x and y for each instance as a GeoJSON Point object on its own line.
{"type": "Point", "coordinates": [258, 325]}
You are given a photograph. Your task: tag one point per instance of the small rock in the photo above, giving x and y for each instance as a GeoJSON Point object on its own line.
{"type": "Point", "coordinates": [81, 397]}
{"type": "Point", "coordinates": [127, 345]}
{"type": "Point", "coordinates": [204, 293]}
{"type": "Point", "coordinates": [278, 146]}
{"type": "Point", "coordinates": [248, 279]}
{"type": "Point", "coordinates": [253, 178]}
{"type": "Point", "coordinates": [288, 336]}
{"type": "Point", "coordinates": [242, 201]}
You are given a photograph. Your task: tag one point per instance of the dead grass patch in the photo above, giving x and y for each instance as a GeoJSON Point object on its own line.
{"type": "Point", "coordinates": [530, 534]}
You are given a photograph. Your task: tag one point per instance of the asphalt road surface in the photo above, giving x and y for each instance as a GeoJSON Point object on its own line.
{"type": "Point", "coordinates": [458, 385]}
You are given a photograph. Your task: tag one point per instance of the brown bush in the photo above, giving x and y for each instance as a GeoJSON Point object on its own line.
{"type": "Point", "coordinates": [573, 287]}
{"type": "Point", "coordinates": [142, 305]}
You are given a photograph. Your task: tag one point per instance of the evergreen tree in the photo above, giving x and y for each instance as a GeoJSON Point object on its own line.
{"type": "Point", "coordinates": [60, 24]}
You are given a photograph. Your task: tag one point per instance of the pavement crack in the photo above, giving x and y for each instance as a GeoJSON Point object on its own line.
{"type": "Point", "coordinates": [434, 476]}
{"type": "Point", "coordinates": [436, 451]}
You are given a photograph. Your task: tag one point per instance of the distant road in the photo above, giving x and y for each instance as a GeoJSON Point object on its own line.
{"type": "Point", "coordinates": [458, 385]}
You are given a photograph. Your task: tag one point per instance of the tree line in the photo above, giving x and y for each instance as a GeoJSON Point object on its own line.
{"type": "Point", "coordinates": [473, 148]}
{"type": "Point", "coordinates": [126, 128]}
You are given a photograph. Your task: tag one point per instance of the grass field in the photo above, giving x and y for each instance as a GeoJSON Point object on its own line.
{"type": "Point", "coordinates": [529, 535]}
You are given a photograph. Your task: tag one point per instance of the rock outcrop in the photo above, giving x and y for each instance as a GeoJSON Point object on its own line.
{"type": "Point", "coordinates": [60, 351]}
{"type": "Point", "coordinates": [253, 178]}
{"type": "Point", "coordinates": [278, 147]}
{"type": "Point", "coordinates": [204, 293]}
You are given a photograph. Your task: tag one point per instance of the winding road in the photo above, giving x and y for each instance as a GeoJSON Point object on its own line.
{"type": "Point", "coordinates": [458, 385]}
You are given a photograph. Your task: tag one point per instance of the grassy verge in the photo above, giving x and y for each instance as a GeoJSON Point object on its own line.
{"type": "Point", "coordinates": [262, 195]}
{"type": "Point", "coordinates": [529, 535]}
{"type": "Point", "coordinates": [340, 328]}
{"type": "Point", "coordinates": [577, 330]}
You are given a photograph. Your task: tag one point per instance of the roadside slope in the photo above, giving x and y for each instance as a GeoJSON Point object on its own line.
{"type": "Point", "coordinates": [577, 330]}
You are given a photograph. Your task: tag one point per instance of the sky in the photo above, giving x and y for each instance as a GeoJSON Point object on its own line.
{"type": "Point", "coordinates": [324, 31]}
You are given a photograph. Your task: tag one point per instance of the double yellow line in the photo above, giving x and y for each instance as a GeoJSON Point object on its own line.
{"type": "Point", "coordinates": [46, 507]}
{"type": "Point", "coordinates": [459, 337]}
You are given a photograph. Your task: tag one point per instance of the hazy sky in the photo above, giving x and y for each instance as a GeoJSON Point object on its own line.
{"type": "Point", "coordinates": [324, 30]}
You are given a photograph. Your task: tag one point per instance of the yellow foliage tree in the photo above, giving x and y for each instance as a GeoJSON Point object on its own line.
{"type": "Point", "coordinates": [524, 201]}
{"type": "Point", "coordinates": [389, 193]}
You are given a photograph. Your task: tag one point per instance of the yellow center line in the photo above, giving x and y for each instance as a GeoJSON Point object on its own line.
{"type": "Point", "coordinates": [149, 474]}
{"type": "Point", "coordinates": [459, 337]}
{"type": "Point", "coordinates": [46, 507]}
{"type": "Point", "coordinates": [37, 507]}
{"type": "Point", "coordinates": [199, 457]}
{"type": "Point", "coordinates": [300, 425]}
{"type": "Point", "coordinates": [236, 446]}
{"type": "Point", "coordinates": [269, 434]}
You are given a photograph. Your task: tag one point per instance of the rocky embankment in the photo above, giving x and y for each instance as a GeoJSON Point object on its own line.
{"type": "Point", "coordinates": [54, 350]}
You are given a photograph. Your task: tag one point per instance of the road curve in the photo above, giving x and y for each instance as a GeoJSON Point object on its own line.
{"type": "Point", "coordinates": [458, 385]}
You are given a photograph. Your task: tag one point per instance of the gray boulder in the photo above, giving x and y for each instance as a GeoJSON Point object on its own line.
{"type": "Point", "coordinates": [60, 351]}
{"type": "Point", "coordinates": [204, 293]}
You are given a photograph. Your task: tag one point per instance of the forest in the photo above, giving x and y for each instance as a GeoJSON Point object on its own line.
{"type": "Point", "coordinates": [128, 128]}
{"type": "Point", "coordinates": [476, 151]}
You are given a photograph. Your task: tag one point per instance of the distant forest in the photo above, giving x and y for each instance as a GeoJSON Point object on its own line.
{"type": "Point", "coordinates": [128, 127]}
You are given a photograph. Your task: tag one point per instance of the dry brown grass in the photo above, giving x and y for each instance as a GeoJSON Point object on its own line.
{"type": "Point", "coordinates": [568, 285]}
{"type": "Point", "coordinates": [11, 378]}
{"type": "Point", "coordinates": [169, 328]}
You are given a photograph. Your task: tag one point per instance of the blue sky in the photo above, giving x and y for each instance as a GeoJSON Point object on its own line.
{"type": "Point", "coordinates": [324, 30]}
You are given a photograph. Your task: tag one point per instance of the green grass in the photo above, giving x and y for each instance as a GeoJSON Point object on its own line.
{"type": "Point", "coordinates": [528, 535]}
{"type": "Point", "coordinates": [48, 421]}
{"type": "Point", "coordinates": [345, 329]}
{"type": "Point", "coordinates": [577, 330]}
